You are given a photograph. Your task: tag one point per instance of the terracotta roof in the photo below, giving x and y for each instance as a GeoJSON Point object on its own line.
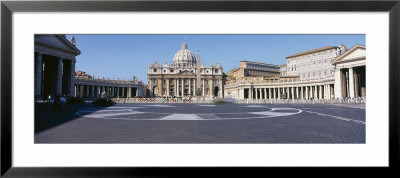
{"type": "Point", "coordinates": [313, 51]}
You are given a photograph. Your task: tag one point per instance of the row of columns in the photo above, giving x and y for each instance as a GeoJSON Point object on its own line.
{"type": "Point", "coordinates": [350, 82]}
{"type": "Point", "coordinates": [47, 66]}
{"type": "Point", "coordinates": [179, 87]}
{"type": "Point", "coordinates": [94, 91]}
{"type": "Point", "coordinates": [298, 92]}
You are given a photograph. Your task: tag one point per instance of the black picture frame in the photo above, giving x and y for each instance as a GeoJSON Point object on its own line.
{"type": "Point", "coordinates": [8, 7]}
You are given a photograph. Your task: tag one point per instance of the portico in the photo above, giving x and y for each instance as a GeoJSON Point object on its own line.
{"type": "Point", "coordinates": [54, 66]}
{"type": "Point", "coordinates": [350, 74]}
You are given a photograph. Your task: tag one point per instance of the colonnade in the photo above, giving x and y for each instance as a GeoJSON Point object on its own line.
{"type": "Point", "coordinates": [324, 91]}
{"type": "Point", "coordinates": [350, 82]}
{"type": "Point", "coordinates": [54, 75]}
{"type": "Point", "coordinates": [181, 87]}
{"type": "Point", "coordinates": [96, 91]}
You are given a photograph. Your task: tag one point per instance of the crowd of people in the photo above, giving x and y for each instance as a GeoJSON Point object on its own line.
{"type": "Point", "coordinates": [358, 100]}
{"type": "Point", "coordinates": [59, 101]}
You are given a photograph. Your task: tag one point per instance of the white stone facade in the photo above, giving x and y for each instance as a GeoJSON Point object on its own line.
{"type": "Point", "coordinates": [180, 78]}
{"type": "Point", "coordinates": [314, 64]}
{"type": "Point", "coordinates": [324, 73]}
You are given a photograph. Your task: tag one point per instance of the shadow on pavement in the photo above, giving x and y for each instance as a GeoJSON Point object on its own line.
{"type": "Point", "coordinates": [47, 117]}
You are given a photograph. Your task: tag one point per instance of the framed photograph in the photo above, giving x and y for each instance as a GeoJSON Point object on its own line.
{"type": "Point", "coordinates": [115, 88]}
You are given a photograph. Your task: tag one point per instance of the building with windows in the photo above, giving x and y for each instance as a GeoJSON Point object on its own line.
{"type": "Point", "coordinates": [184, 76]}
{"type": "Point", "coordinates": [315, 63]}
{"type": "Point", "coordinates": [323, 73]}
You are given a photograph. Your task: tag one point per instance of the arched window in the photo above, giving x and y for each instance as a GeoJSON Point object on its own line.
{"type": "Point", "coordinates": [154, 70]}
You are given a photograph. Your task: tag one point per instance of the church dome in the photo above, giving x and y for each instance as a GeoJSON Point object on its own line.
{"type": "Point", "coordinates": [184, 57]}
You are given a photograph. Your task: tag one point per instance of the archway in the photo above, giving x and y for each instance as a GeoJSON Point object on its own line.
{"type": "Point", "coordinates": [216, 90]}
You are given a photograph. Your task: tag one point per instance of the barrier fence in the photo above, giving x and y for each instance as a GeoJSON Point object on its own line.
{"type": "Point", "coordinates": [241, 101]}
{"type": "Point", "coordinates": [163, 100]}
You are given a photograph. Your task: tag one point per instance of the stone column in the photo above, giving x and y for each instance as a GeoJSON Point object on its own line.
{"type": "Point", "coordinates": [183, 86]}
{"type": "Point", "coordinates": [81, 91]}
{"type": "Point", "coordinates": [59, 76]}
{"type": "Point", "coordinates": [298, 92]}
{"type": "Point", "coordinates": [351, 82]}
{"type": "Point", "coordinates": [356, 82]}
{"type": "Point", "coordinates": [98, 91]}
{"type": "Point", "coordinates": [204, 84]}
{"type": "Point", "coordinates": [320, 91]}
{"type": "Point", "coordinates": [107, 90]}
{"type": "Point", "coordinates": [190, 85]}
{"type": "Point", "coordinates": [74, 91]}
{"type": "Point", "coordinates": [72, 77]}
{"type": "Point", "coordinates": [123, 92]}
{"type": "Point", "coordinates": [117, 92]}
{"type": "Point", "coordinates": [329, 91]}
{"type": "Point", "coordinates": [292, 93]}
{"type": "Point", "coordinates": [251, 93]}
{"type": "Point", "coordinates": [265, 93]}
{"type": "Point", "coordinates": [269, 93]}
{"type": "Point", "coordinates": [194, 88]}
{"type": "Point", "coordinates": [279, 93]}
{"type": "Point", "coordinates": [338, 84]}
{"type": "Point", "coordinates": [38, 76]}
{"type": "Point", "coordinates": [221, 89]}
{"type": "Point", "coordinates": [167, 86]}
{"type": "Point", "coordinates": [112, 91]}
{"type": "Point", "coordinates": [302, 93]}
{"type": "Point", "coordinates": [307, 93]}
{"type": "Point", "coordinates": [92, 91]}
{"type": "Point", "coordinates": [316, 91]}
{"type": "Point", "coordinates": [160, 87]}
{"type": "Point", "coordinates": [87, 91]}
{"type": "Point", "coordinates": [176, 87]}
{"type": "Point", "coordinates": [257, 95]}
{"type": "Point", "coordinates": [211, 87]}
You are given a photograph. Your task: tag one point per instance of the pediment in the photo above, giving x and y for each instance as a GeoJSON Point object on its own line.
{"type": "Point", "coordinates": [57, 42]}
{"type": "Point", "coordinates": [357, 52]}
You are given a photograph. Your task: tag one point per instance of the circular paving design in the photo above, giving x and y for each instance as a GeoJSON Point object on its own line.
{"type": "Point", "coordinates": [186, 112]}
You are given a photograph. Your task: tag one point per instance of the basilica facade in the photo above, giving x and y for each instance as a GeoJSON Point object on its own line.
{"type": "Point", "coordinates": [185, 76]}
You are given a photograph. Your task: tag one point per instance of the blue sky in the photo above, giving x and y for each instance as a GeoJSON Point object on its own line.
{"type": "Point", "coordinates": [125, 56]}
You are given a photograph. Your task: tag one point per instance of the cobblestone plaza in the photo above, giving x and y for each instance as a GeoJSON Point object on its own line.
{"type": "Point", "coordinates": [202, 123]}
{"type": "Point", "coordinates": [317, 96]}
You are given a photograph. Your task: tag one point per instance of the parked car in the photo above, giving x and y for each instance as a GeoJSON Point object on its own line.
{"type": "Point", "coordinates": [103, 102]}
